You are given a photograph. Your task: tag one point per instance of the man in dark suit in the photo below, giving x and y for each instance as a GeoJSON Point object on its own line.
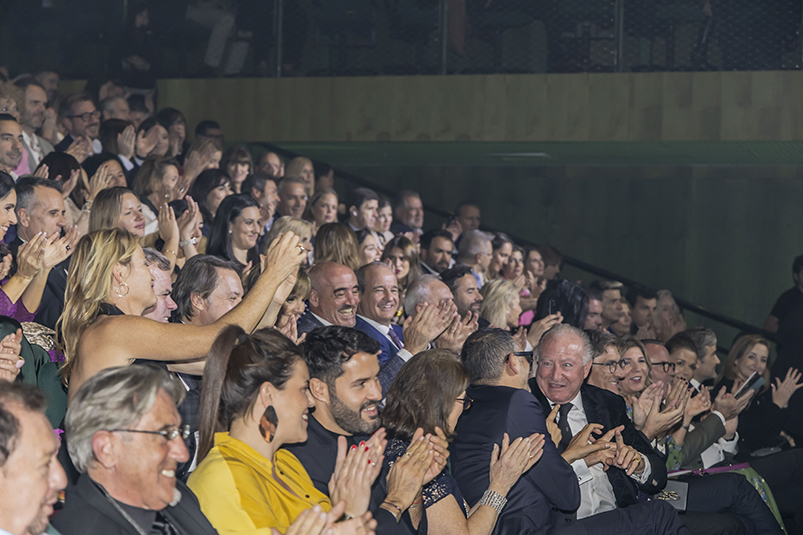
{"type": "Point", "coordinates": [333, 299]}
{"type": "Point", "coordinates": [81, 119]}
{"type": "Point", "coordinates": [436, 251]}
{"type": "Point", "coordinates": [128, 476]}
{"type": "Point", "coordinates": [545, 499]}
{"type": "Point", "coordinates": [379, 301]}
{"type": "Point", "coordinates": [40, 208]}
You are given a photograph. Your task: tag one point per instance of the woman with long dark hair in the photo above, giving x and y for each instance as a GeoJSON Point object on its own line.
{"type": "Point", "coordinates": [209, 190]}
{"type": "Point", "coordinates": [236, 230]}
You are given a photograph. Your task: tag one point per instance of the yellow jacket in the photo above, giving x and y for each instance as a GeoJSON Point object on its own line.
{"type": "Point", "coordinates": [238, 493]}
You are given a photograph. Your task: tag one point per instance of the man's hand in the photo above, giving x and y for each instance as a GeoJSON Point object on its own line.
{"type": "Point", "coordinates": [627, 458]}
{"type": "Point", "coordinates": [541, 326]}
{"type": "Point", "coordinates": [730, 428]}
{"type": "Point", "coordinates": [428, 323]}
{"type": "Point", "coordinates": [456, 333]}
{"type": "Point", "coordinates": [582, 446]}
{"type": "Point", "coordinates": [80, 149]}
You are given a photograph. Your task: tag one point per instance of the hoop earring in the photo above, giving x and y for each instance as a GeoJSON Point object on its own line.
{"type": "Point", "coordinates": [268, 418]}
{"type": "Point", "coordinates": [127, 289]}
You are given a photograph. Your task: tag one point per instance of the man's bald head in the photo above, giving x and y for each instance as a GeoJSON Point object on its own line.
{"type": "Point", "coordinates": [335, 295]}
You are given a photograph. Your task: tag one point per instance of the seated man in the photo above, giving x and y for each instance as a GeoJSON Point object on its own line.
{"type": "Point", "coordinates": [465, 292]}
{"type": "Point", "coordinates": [475, 252]}
{"type": "Point", "coordinates": [409, 215]}
{"type": "Point", "coordinates": [205, 290]}
{"type": "Point", "coordinates": [594, 317]}
{"type": "Point", "coordinates": [436, 251]}
{"type": "Point", "coordinates": [379, 300]}
{"type": "Point", "coordinates": [363, 210]}
{"type": "Point", "coordinates": [547, 495]}
{"type": "Point", "coordinates": [128, 475]}
{"type": "Point", "coordinates": [333, 299]}
{"type": "Point", "coordinates": [643, 302]}
{"type": "Point", "coordinates": [30, 474]}
{"type": "Point", "coordinates": [344, 384]}
{"type": "Point", "coordinates": [159, 267]}
{"type": "Point", "coordinates": [705, 340]}
{"type": "Point", "coordinates": [662, 369]}
{"type": "Point", "coordinates": [606, 372]}
{"type": "Point", "coordinates": [292, 197]}
{"type": "Point", "coordinates": [612, 308]}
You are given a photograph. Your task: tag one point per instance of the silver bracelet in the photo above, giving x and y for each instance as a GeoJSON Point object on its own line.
{"type": "Point", "coordinates": [494, 500]}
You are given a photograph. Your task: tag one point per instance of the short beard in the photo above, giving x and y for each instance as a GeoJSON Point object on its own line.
{"type": "Point", "coordinates": [351, 421]}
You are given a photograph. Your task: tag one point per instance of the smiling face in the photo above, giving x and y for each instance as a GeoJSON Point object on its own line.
{"type": "Point", "coordinates": [601, 376]}
{"type": "Point", "coordinates": [227, 294]}
{"type": "Point", "coordinates": [292, 199]}
{"type": "Point", "coordinates": [707, 366]}
{"type": "Point", "coordinates": [754, 360]}
{"type": "Point", "coordinates": [325, 209]}
{"type": "Point", "coordinates": [245, 228]}
{"type": "Point", "coordinates": [47, 214]}
{"type": "Point", "coordinates": [292, 404]}
{"type": "Point", "coordinates": [238, 171]}
{"type": "Point", "coordinates": [369, 250]}
{"type": "Point", "coordinates": [635, 373]}
{"type": "Point", "coordinates": [162, 288]}
{"type": "Point", "coordinates": [216, 196]}
{"type": "Point", "coordinates": [7, 215]}
{"type": "Point", "coordinates": [560, 371]}
{"type": "Point", "coordinates": [31, 477]}
{"type": "Point", "coordinates": [499, 257]}
{"type": "Point", "coordinates": [10, 145]}
{"type": "Point", "coordinates": [535, 263]}
{"type": "Point", "coordinates": [145, 464]}
{"type": "Point", "coordinates": [514, 311]}
{"type": "Point", "coordinates": [384, 218]}
{"type": "Point", "coordinates": [658, 356]}
{"type": "Point", "coordinates": [131, 217]}
{"type": "Point", "coordinates": [380, 300]}
{"type": "Point", "coordinates": [137, 276]}
{"type": "Point", "coordinates": [84, 120]}
{"type": "Point", "coordinates": [354, 400]}
{"type": "Point", "coordinates": [33, 115]}
{"type": "Point", "coordinates": [337, 300]}
{"type": "Point", "coordinates": [685, 363]}
{"type": "Point", "coordinates": [514, 266]}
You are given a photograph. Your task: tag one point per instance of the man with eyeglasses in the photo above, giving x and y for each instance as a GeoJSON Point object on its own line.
{"type": "Point", "coordinates": [124, 435]}
{"type": "Point", "coordinates": [81, 119]}
{"type": "Point", "coordinates": [663, 369]}
{"type": "Point", "coordinates": [606, 367]}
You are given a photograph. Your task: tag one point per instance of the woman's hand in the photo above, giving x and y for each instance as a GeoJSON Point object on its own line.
{"type": "Point", "coordinates": [288, 327]}
{"type": "Point", "coordinates": [509, 463]}
{"type": "Point", "coordinates": [99, 181]}
{"type": "Point", "coordinates": [406, 477]}
{"type": "Point", "coordinates": [696, 405]}
{"type": "Point", "coordinates": [356, 471]}
{"type": "Point", "coordinates": [146, 142]}
{"type": "Point", "coordinates": [168, 226]}
{"type": "Point", "coordinates": [782, 390]}
{"type": "Point", "coordinates": [30, 255]}
{"type": "Point", "coordinates": [440, 446]}
{"type": "Point", "coordinates": [642, 405]}
{"type": "Point", "coordinates": [10, 360]}
{"type": "Point", "coordinates": [284, 256]}
{"type": "Point", "coordinates": [188, 220]}
{"type": "Point", "coordinates": [127, 142]}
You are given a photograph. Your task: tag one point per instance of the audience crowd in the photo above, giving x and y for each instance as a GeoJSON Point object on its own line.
{"type": "Point", "coordinates": [200, 339]}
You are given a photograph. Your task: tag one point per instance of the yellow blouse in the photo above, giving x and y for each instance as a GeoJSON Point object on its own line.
{"type": "Point", "coordinates": [238, 493]}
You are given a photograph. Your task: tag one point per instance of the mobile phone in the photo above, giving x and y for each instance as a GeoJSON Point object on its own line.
{"type": "Point", "coordinates": [754, 382]}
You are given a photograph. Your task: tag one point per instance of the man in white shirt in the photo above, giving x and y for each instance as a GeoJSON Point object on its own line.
{"type": "Point", "coordinates": [33, 116]}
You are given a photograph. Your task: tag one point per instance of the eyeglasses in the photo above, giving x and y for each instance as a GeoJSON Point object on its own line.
{"type": "Point", "coordinates": [666, 366]}
{"type": "Point", "coordinates": [86, 117]}
{"type": "Point", "coordinates": [183, 431]}
{"type": "Point", "coordinates": [528, 355]}
{"type": "Point", "coordinates": [466, 401]}
{"type": "Point", "coordinates": [613, 365]}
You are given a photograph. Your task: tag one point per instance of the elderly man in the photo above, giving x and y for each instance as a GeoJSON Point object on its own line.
{"type": "Point", "coordinates": [333, 299]}
{"type": "Point", "coordinates": [124, 437]}
{"type": "Point", "coordinates": [502, 405]}
{"type": "Point", "coordinates": [30, 474]}
{"type": "Point", "coordinates": [475, 251]}
{"type": "Point", "coordinates": [662, 369]}
{"type": "Point", "coordinates": [379, 300]}
{"type": "Point", "coordinates": [409, 213]}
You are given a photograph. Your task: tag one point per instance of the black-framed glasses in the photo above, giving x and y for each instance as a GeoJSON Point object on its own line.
{"type": "Point", "coordinates": [86, 117]}
{"type": "Point", "coordinates": [612, 365]}
{"type": "Point", "coordinates": [466, 401]}
{"type": "Point", "coordinates": [182, 431]}
{"type": "Point", "coordinates": [528, 356]}
{"type": "Point", "coordinates": [666, 366]}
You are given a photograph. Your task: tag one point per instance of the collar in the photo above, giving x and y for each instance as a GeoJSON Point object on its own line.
{"type": "Point", "coordinates": [323, 321]}
{"type": "Point", "coordinates": [577, 401]}
{"type": "Point", "coordinates": [384, 329]}
{"type": "Point", "coordinates": [695, 383]}
{"type": "Point", "coordinates": [143, 517]}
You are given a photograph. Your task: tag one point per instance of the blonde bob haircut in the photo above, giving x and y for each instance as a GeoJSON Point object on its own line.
{"type": "Point", "coordinates": [336, 242]}
{"type": "Point", "coordinates": [498, 296]}
{"type": "Point", "coordinates": [89, 284]}
{"type": "Point", "coordinates": [286, 224]}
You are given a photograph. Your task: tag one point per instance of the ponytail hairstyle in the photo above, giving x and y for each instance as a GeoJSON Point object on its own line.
{"type": "Point", "coordinates": [237, 366]}
{"type": "Point", "coordinates": [89, 283]}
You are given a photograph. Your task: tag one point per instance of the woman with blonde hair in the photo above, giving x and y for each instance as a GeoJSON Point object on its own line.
{"type": "Point", "coordinates": [302, 168]}
{"type": "Point", "coordinates": [156, 184]}
{"type": "Point", "coordinates": [322, 208]}
{"type": "Point", "coordinates": [336, 242]}
{"type": "Point", "coordinates": [110, 286]}
{"type": "Point", "coordinates": [501, 304]}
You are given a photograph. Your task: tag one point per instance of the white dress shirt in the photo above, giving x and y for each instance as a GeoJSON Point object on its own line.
{"type": "Point", "coordinates": [596, 492]}
{"type": "Point", "coordinates": [385, 330]}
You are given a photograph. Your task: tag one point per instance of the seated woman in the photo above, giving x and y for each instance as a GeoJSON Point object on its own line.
{"type": "Point", "coordinates": [369, 250]}
{"type": "Point", "coordinates": [21, 294]}
{"type": "Point", "coordinates": [209, 190]}
{"type": "Point", "coordinates": [402, 256]}
{"type": "Point", "coordinates": [110, 286]}
{"type": "Point", "coordinates": [294, 306]}
{"type": "Point", "coordinates": [302, 168]}
{"type": "Point", "coordinates": [336, 242]}
{"type": "Point", "coordinates": [155, 185]}
{"type": "Point", "coordinates": [621, 327]}
{"type": "Point", "coordinates": [761, 424]}
{"type": "Point", "coordinates": [501, 247]}
{"type": "Point", "coordinates": [255, 400]}
{"type": "Point", "coordinates": [430, 392]}
{"type": "Point", "coordinates": [238, 164]}
{"type": "Point", "coordinates": [527, 282]}
{"type": "Point", "coordinates": [236, 230]}
{"type": "Point", "coordinates": [299, 227]}
{"type": "Point", "coordinates": [500, 305]}
{"type": "Point", "coordinates": [384, 219]}
{"type": "Point", "coordinates": [322, 208]}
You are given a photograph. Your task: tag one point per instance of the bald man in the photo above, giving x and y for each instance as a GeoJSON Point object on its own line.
{"type": "Point", "coordinates": [333, 299]}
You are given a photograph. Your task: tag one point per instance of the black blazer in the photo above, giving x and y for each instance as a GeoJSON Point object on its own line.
{"type": "Point", "coordinates": [88, 512]}
{"type": "Point", "coordinates": [307, 322]}
{"type": "Point", "coordinates": [606, 408]}
{"type": "Point", "coordinates": [53, 294]}
{"type": "Point", "coordinates": [549, 487]}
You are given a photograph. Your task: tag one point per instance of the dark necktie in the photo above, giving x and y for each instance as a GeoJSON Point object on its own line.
{"type": "Point", "coordinates": [161, 526]}
{"type": "Point", "coordinates": [563, 425]}
{"type": "Point", "coordinates": [395, 339]}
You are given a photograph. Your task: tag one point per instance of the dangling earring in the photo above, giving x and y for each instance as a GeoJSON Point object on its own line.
{"type": "Point", "coordinates": [127, 289]}
{"type": "Point", "coordinates": [268, 418]}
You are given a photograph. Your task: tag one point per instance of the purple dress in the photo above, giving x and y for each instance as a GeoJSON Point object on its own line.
{"type": "Point", "coordinates": [14, 310]}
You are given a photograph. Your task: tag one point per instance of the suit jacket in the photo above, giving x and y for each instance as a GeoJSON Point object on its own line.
{"type": "Point", "coordinates": [87, 511]}
{"type": "Point", "coordinates": [608, 409]}
{"type": "Point", "coordinates": [389, 360]}
{"type": "Point", "coordinates": [549, 487]}
{"type": "Point", "coordinates": [307, 322]}
{"type": "Point", "coordinates": [45, 145]}
{"type": "Point", "coordinates": [53, 295]}
{"type": "Point", "coordinates": [64, 144]}
{"type": "Point", "coordinates": [426, 270]}
{"type": "Point", "coordinates": [705, 433]}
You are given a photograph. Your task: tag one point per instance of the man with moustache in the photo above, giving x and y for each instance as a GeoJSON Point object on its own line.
{"type": "Point", "coordinates": [124, 436]}
{"type": "Point", "coordinates": [379, 300]}
{"type": "Point", "coordinates": [33, 116]}
{"type": "Point", "coordinates": [344, 384]}
{"type": "Point", "coordinates": [464, 290]}
{"type": "Point", "coordinates": [11, 142]}
{"type": "Point", "coordinates": [30, 473]}
{"type": "Point", "coordinates": [333, 298]}
{"type": "Point", "coordinates": [436, 251]}
{"type": "Point", "coordinates": [81, 119]}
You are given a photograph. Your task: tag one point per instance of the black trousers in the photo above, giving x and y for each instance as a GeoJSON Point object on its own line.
{"type": "Point", "coordinates": [784, 474]}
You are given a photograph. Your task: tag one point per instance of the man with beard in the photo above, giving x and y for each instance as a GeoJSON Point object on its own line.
{"type": "Point", "coordinates": [33, 116]}
{"type": "Point", "coordinates": [436, 251]}
{"type": "Point", "coordinates": [81, 119]}
{"type": "Point", "coordinates": [344, 383]}
{"type": "Point", "coordinates": [10, 144]}
{"type": "Point", "coordinates": [30, 474]}
{"type": "Point", "coordinates": [333, 299]}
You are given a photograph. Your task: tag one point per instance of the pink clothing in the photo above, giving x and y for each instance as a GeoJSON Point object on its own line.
{"type": "Point", "coordinates": [23, 168]}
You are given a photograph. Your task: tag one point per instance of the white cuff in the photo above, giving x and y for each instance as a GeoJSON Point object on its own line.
{"type": "Point", "coordinates": [126, 162]}
{"type": "Point", "coordinates": [404, 354]}
{"type": "Point", "coordinates": [582, 472]}
{"type": "Point", "coordinates": [644, 476]}
{"type": "Point", "coordinates": [730, 446]}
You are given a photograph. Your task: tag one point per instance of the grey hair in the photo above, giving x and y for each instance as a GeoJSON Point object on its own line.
{"type": "Point", "coordinates": [661, 294]}
{"type": "Point", "coordinates": [418, 292]}
{"type": "Point", "coordinates": [152, 256]}
{"type": "Point", "coordinates": [472, 243]}
{"type": "Point", "coordinates": [484, 354]}
{"type": "Point", "coordinates": [26, 191]}
{"type": "Point", "coordinates": [564, 329]}
{"type": "Point", "coordinates": [114, 398]}
{"type": "Point", "coordinates": [702, 337]}
{"type": "Point", "coordinates": [106, 103]}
